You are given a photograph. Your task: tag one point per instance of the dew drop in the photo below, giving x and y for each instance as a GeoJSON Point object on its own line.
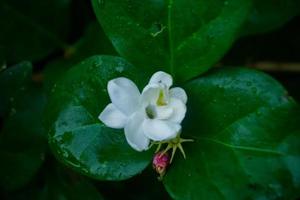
{"type": "Point", "coordinates": [65, 154]}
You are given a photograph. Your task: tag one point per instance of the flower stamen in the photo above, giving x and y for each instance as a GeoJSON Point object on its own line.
{"type": "Point", "coordinates": [161, 99]}
{"type": "Point", "coordinates": [173, 144]}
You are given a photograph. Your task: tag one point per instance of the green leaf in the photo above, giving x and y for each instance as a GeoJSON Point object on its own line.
{"type": "Point", "coordinates": [93, 42]}
{"type": "Point", "coordinates": [77, 136]}
{"type": "Point", "coordinates": [268, 15]}
{"type": "Point", "coordinates": [32, 29]}
{"type": "Point", "coordinates": [181, 37]}
{"type": "Point", "coordinates": [13, 81]}
{"type": "Point", "coordinates": [22, 138]}
{"type": "Point", "coordinates": [247, 137]}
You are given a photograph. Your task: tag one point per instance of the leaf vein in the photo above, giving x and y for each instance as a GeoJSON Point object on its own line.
{"type": "Point", "coordinates": [245, 148]}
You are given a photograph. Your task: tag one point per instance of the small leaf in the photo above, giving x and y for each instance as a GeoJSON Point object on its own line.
{"type": "Point", "coordinates": [184, 38]}
{"type": "Point", "coordinates": [22, 138]}
{"type": "Point", "coordinates": [77, 136]}
{"type": "Point", "coordinates": [13, 81]}
{"type": "Point", "coordinates": [247, 137]}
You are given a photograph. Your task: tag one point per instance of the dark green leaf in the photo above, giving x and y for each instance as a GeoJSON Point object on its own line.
{"type": "Point", "coordinates": [269, 14]}
{"type": "Point", "coordinates": [247, 137]}
{"type": "Point", "coordinates": [13, 81]}
{"type": "Point", "coordinates": [31, 29]}
{"type": "Point", "coordinates": [76, 135]}
{"type": "Point", "coordinates": [182, 37]}
{"type": "Point", "coordinates": [22, 138]}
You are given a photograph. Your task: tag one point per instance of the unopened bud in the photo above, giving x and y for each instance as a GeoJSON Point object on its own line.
{"type": "Point", "coordinates": [160, 163]}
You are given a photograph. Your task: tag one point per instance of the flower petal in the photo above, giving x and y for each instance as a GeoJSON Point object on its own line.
{"type": "Point", "coordinates": [178, 93]}
{"type": "Point", "coordinates": [134, 132]}
{"type": "Point", "coordinates": [179, 110]}
{"type": "Point", "coordinates": [159, 130]}
{"type": "Point", "coordinates": [124, 94]}
{"type": "Point", "coordinates": [112, 117]}
{"type": "Point", "coordinates": [161, 78]}
{"type": "Point", "coordinates": [150, 94]}
{"type": "Point", "coordinates": [163, 112]}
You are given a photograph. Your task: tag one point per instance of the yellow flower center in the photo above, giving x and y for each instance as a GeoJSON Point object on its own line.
{"type": "Point", "coordinates": [161, 100]}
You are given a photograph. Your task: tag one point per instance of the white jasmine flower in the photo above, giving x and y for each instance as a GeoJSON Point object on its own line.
{"type": "Point", "coordinates": [155, 114]}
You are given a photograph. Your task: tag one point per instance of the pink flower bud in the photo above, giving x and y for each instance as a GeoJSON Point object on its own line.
{"type": "Point", "coordinates": [160, 163]}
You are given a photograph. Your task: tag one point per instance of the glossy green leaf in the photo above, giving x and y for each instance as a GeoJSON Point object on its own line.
{"type": "Point", "coordinates": [22, 138]}
{"type": "Point", "coordinates": [181, 37]}
{"type": "Point", "coordinates": [268, 15]}
{"type": "Point", "coordinates": [247, 137]}
{"type": "Point", "coordinates": [77, 136]}
{"type": "Point", "coordinates": [32, 29]}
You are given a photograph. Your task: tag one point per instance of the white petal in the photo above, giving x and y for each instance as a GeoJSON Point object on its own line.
{"type": "Point", "coordinates": [161, 77]}
{"type": "Point", "coordinates": [163, 112]}
{"type": "Point", "coordinates": [134, 132]}
{"type": "Point", "coordinates": [178, 93]}
{"type": "Point", "coordinates": [159, 130]}
{"type": "Point", "coordinates": [124, 94]}
{"type": "Point", "coordinates": [150, 94]}
{"type": "Point", "coordinates": [179, 110]}
{"type": "Point", "coordinates": [112, 117]}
